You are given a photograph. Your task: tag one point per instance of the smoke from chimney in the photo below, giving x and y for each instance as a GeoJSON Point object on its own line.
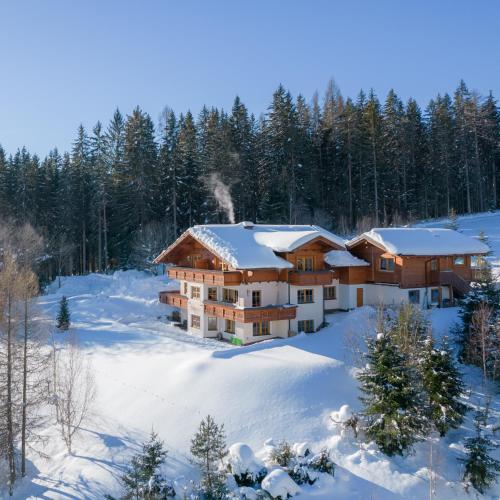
{"type": "Point", "coordinates": [223, 196]}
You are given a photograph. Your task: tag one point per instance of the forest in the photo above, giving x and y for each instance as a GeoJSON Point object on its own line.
{"type": "Point", "coordinates": [128, 188]}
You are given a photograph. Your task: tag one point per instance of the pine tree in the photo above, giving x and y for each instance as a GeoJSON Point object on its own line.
{"type": "Point", "coordinates": [63, 316]}
{"type": "Point", "coordinates": [143, 480]}
{"type": "Point", "coordinates": [443, 387]}
{"type": "Point", "coordinates": [208, 448]}
{"type": "Point", "coordinates": [392, 403]}
{"type": "Point", "coordinates": [452, 220]}
{"type": "Point", "coordinates": [481, 470]}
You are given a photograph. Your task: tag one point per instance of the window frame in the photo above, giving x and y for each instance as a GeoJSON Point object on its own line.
{"type": "Point", "coordinates": [433, 291]}
{"type": "Point", "coordinates": [461, 258]}
{"type": "Point", "coordinates": [186, 288]}
{"type": "Point", "coordinates": [330, 287]}
{"type": "Point", "coordinates": [387, 259]}
{"type": "Point", "coordinates": [229, 322]}
{"type": "Point", "coordinates": [209, 320]}
{"type": "Point", "coordinates": [195, 292]}
{"type": "Point", "coordinates": [416, 293]}
{"type": "Point", "coordinates": [229, 291]}
{"type": "Point", "coordinates": [212, 288]}
{"type": "Point", "coordinates": [434, 265]}
{"type": "Point", "coordinates": [263, 328]}
{"type": "Point", "coordinates": [259, 294]}
{"type": "Point", "coordinates": [305, 329]}
{"type": "Point", "coordinates": [193, 325]}
{"type": "Point", "coordinates": [305, 293]}
{"type": "Point", "coordinates": [302, 262]}
{"type": "Point", "coordinates": [476, 261]}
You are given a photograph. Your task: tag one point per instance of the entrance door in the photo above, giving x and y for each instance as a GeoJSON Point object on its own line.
{"type": "Point", "coordinates": [359, 297]}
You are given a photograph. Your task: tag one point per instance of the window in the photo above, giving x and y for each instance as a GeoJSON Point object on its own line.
{"type": "Point", "coordinates": [185, 288]}
{"type": "Point", "coordinates": [229, 295]}
{"type": "Point", "coordinates": [212, 293]}
{"type": "Point", "coordinates": [305, 263]}
{"type": "Point", "coordinates": [195, 321]}
{"type": "Point", "coordinates": [459, 261]}
{"type": "Point", "coordinates": [224, 266]}
{"type": "Point", "coordinates": [261, 328]}
{"type": "Point", "coordinates": [230, 326]}
{"type": "Point", "coordinates": [256, 295]}
{"type": "Point", "coordinates": [414, 296]}
{"type": "Point", "coordinates": [476, 261]}
{"type": "Point", "coordinates": [195, 292]}
{"type": "Point", "coordinates": [434, 295]}
{"type": "Point", "coordinates": [386, 264]}
{"type": "Point", "coordinates": [434, 265]}
{"type": "Point", "coordinates": [306, 326]}
{"type": "Point", "coordinates": [330, 293]}
{"type": "Point", "coordinates": [304, 296]}
{"type": "Point", "coordinates": [212, 324]}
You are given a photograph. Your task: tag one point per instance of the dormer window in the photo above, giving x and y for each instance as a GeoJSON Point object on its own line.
{"type": "Point", "coordinates": [387, 264]}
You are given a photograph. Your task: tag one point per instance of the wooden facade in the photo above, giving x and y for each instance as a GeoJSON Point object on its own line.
{"type": "Point", "coordinates": [408, 271]}
{"type": "Point", "coordinates": [174, 299]}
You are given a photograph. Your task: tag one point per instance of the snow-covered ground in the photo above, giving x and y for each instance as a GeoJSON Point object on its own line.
{"type": "Point", "coordinates": [152, 375]}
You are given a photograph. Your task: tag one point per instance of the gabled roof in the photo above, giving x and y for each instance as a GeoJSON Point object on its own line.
{"type": "Point", "coordinates": [343, 258]}
{"type": "Point", "coordinates": [421, 241]}
{"type": "Point", "coordinates": [253, 246]}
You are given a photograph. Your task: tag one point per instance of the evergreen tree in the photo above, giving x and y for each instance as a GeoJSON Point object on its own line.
{"type": "Point", "coordinates": [63, 316]}
{"type": "Point", "coordinates": [208, 448]}
{"type": "Point", "coordinates": [392, 404]}
{"type": "Point", "coordinates": [481, 470]}
{"type": "Point", "coordinates": [443, 387]}
{"type": "Point", "coordinates": [143, 480]}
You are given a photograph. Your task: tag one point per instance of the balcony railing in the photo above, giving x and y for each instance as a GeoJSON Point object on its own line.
{"type": "Point", "coordinates": [209, 276]}
{"type": "Point", "coordinates": [173, 298]}
{"type": "Point", "coordinates": [310, 277]}
{"type": "Point", "coordinates": [250, 314]}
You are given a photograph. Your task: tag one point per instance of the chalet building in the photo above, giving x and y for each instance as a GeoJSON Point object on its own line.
{"type": "Point", "coordinates": [424, 266]}
{"type": "Point", "coordinates": [246, 281]}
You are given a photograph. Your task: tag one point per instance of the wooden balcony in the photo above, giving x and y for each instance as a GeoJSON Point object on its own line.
{"type": "Point", "coordinates": [209, 276]}
{"type": "Point", "coordinates": [249, 314]}
{"type": "Point", "coordinates": [303, 278]}
{"type": "Point", "coordinates": [173, 298]}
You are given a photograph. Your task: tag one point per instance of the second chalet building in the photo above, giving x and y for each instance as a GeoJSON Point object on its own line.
{"type": "Point", "coordinates": [246, 281]}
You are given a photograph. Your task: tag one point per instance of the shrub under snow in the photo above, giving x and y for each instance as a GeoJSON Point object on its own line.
{"type": "Point", "coordinates": [244, 466]}
{"type": "Point", "coordinates": [280, 485]}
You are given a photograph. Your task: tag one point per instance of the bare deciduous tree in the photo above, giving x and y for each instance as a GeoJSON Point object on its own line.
{"type": "Point", "coordinates": [75, 390]}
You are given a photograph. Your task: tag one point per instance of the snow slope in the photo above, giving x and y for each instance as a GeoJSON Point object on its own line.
{"type": "Point", "coordinates": [153, 375]}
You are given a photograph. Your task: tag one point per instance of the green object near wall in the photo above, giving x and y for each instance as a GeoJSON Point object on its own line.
{"type": "Point", "coordinates": [236, 341]}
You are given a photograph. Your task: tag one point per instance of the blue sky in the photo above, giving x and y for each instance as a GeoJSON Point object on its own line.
{"type": "Point", "coordinates": [63, 63]}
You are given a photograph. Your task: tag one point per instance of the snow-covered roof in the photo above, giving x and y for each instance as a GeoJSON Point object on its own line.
{"type": "Point", "coordinates": [252, 246]}
{"type": "Point", "coordinates": [343, 258]}
{"type": "Point", "coordinates": [422, 241]}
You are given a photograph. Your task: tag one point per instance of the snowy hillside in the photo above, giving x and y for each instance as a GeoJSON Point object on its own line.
{"type": "Point", "coordinates": [152, 375]}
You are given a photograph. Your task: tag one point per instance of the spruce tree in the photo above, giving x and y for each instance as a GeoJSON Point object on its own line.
{"type": "Point", "coordinates": [63, 316]}
{"type": "Point", "coordinates": [481, 470]}
{"type": "Point", "coordinates": [443, 386]}
{"type": "Point", "coordinates": [392, 402]}
{"type": "Point", "coordinates": [143, 480]}
{"type": "Point", "coordinates": [208, 448]}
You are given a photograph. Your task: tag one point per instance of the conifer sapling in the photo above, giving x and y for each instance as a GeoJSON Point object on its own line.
{"type": "Point", "coordinates": [208, 448]}
{"type": "Point", "coordinates": [393, 405]}
{"type": "Point", "coordinates": [481, 470]}
{"type": "Point", "coordinates": [63, 316]}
